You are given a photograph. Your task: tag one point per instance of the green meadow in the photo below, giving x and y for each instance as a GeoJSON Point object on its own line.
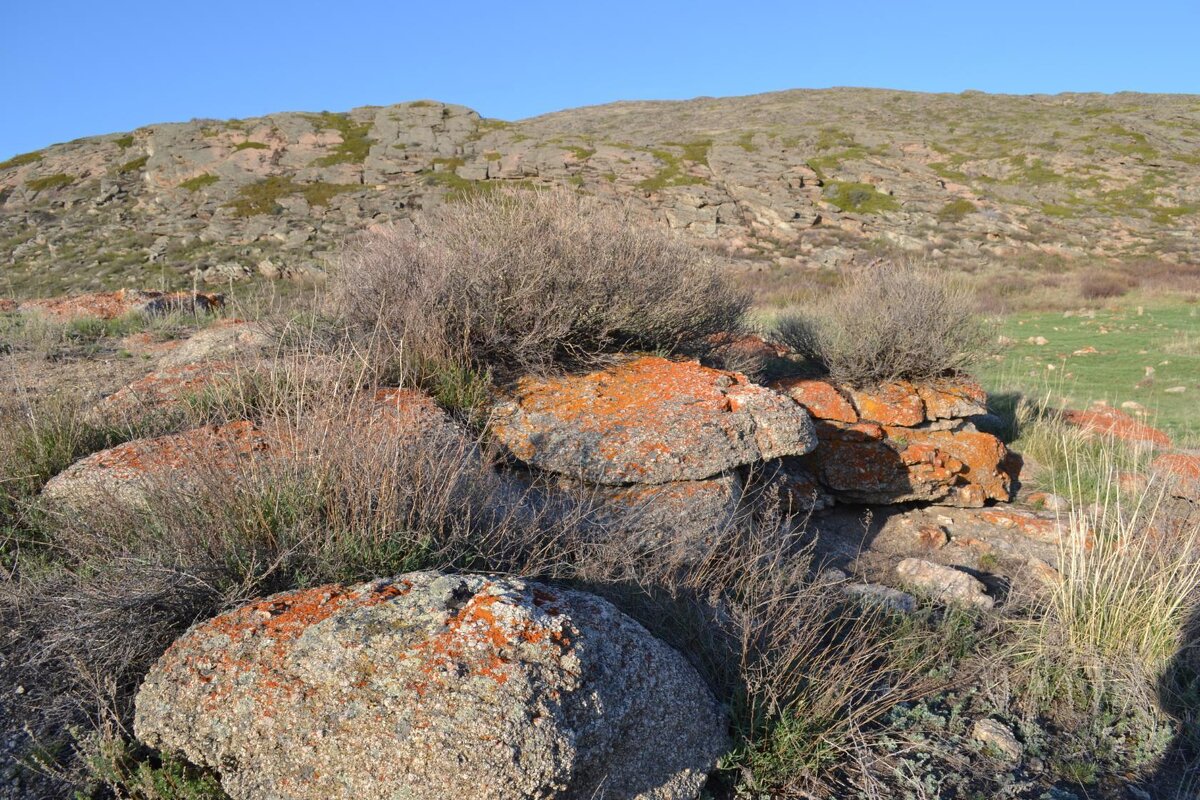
{"type": "Point", "coordinates": [1149, 355]}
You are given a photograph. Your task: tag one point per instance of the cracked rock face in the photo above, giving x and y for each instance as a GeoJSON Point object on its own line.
{"type": "Point", "coordinates": [434, 686]}
{"type": "Point", "coordinates": [649, 421]}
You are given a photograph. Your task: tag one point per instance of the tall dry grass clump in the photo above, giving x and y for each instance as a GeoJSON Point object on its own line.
{"type": "Point", "coordinates": [520, 281]}
{"type": "Point", "coordinates": [891, 322]}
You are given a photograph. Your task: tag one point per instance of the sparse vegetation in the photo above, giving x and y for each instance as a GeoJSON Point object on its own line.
{"type": "Point", "coordinates": [133, 166]}
{"type": "Point", "coordinates": [893, 322]}
{"type": "Point", "coordinates": [22, 160]}
{"type": "Point", "coordinates": [355, 143]}
{"type": "Point", "coordinates": [859, 198]}
{"type": "Point", "coordinates": [955, 210]}
{"type": "Point", "coordinates": [263, 197]}
{"type": "Point", "coordinates": [199, 182]}
{"type": "Point", "coordinates": [55, 181]}
{"type": "Point", "coordinates": [249, 145]}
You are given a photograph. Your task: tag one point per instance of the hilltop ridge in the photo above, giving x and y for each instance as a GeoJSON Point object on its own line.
{"type": "Point", "coordinates": [785, 183]}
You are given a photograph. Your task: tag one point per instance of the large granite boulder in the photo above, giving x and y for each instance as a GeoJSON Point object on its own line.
{"type": "Point", "coordinates": [431, 686]}
{"type": "Point", "coordinates": [649, 421]}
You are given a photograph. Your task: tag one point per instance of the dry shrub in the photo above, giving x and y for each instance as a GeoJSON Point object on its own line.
{"type": "Point", "coordinates": [891, 322]}
{"type": "Point", "coordinates": [521, 281]}
{"type": "Point", "coordinates": [1101, 285]}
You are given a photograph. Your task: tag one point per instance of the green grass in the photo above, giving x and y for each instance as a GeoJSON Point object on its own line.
{"type": "Point", "coordinates": [859, 198]}
{"type": "Point", "coordinates": [199, 182]}
{"type": "Point", "coordinates": [56, 181]}
{"type": "Point", "coordinates": [581, 153]}
{"type": "Point", "coordinates": [355, 143]}
{"type": "Point", "coordinates": [22, 160]}
{"type": "Point", "coordinates": [125, 142]}
{"type": "Point", "coordinates": [133, 166]}
{"type": "Point", "coordinates": [746, 142]}
{"type": "Point", "coordinates": [1165, 338]}
{"type": "Point", "coordinates": [672, 173]}
{"type": "Point", "coordinates": [248, 145]}
{"type": "Point", "coordinates": [263, 197]}
{"type": "Point", "coordinates": [956, 210]}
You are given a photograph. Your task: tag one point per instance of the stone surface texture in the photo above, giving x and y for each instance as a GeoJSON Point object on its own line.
{"type": "Point", "coordinates": [431, 686]}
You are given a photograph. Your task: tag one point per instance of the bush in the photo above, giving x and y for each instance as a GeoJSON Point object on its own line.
{"type": "Point", "coordinates": [523, 281]}
{"type": "Point", "coordinates": [894, 322]}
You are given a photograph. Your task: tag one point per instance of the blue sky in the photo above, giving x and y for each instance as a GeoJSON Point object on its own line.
{"type": "Point", "coordinates": [74, 69]}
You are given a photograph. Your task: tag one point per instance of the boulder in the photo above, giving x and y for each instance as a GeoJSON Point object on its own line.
{"type": "Point", "coordinates": [373, 423]}
{"type": "Point", "coordinates": [428, 686]}
{"type": "Point", "coordinates": [946, 584]}
{"type": "Point", "coordinates": [649, 420]}
{"type": "Point", "coordinates": [111, 305]}
{"type": "Point", "coordinates": [820, 398]}
{"type": "Point", "coordinates": [684, 514]}
{"type": "Point", "coordinates": [902, 442]}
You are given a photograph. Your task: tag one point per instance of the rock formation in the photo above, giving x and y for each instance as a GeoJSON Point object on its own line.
{"type": "Point", "coordinates": [902, 442]}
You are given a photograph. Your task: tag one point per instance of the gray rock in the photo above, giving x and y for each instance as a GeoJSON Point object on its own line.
{"type": "Point", "coordinates": [875, 594]}
{"type": "Point", "coordinates": [944, 583]}
{"type": "Point", "coordinates": [428, 686]}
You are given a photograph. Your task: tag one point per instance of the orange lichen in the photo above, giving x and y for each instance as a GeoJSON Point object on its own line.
{"type": "Point", "coordinates": [890, 404]}
{"type": "Point", "coordinates": [820, 398]}
{"type": "Point", "coordinates": [1107, 421]}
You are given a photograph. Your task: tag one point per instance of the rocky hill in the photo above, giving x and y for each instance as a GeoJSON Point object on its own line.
{"type": "Point", "coordinates": [784, 182]}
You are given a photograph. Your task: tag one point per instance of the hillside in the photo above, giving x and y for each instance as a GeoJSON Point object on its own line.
{"type": "Point", "coordinates": [784, 182]}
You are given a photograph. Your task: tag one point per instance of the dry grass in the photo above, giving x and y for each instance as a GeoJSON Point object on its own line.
{"type": "Point", "coordinates": [519, 282]}
{"type": "Point", "coordinates": [896, 321]}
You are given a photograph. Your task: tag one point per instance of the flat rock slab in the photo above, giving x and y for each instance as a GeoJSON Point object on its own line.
{"type": "Point", "coordinates": [224, 339]}
{"type": "Point", "coordinates": [428, 686]}
{"type": "Point", "coordinates": [1108, 421]}
{"type": "Point", "coordinates": [649, 421]}
{"type": "Point", "coordinates": [162, 393]}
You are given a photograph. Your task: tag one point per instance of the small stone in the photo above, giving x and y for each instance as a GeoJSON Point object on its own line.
{"type": "Point", "coordinates": [999, 737]}
{"type": "Point", "coordinates": [946, 584]}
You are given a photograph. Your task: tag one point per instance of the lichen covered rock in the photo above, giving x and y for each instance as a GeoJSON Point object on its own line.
{"type": "Point", "coordinates": [429, 686]}
{"type": "Point", "coordinates": [110, 305]}
{"type": "Point", "coordinates": [649, 420]}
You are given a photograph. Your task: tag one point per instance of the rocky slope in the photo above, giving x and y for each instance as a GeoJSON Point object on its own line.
{"type": "Point", "coordinates": [784, 182]}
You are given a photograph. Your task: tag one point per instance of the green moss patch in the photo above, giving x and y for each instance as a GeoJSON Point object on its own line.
{"type": "Point", "coordinates": [956, 210]}
{"type": "Point", "coordinates": [355, 143]}
{"type": "Point", "coordinates": [56, 181]}
{"type": "Point", "coordinates": [263, 197]}
{"type": "Point", "coordinates": [125, 142]}
{"type": "Point", "coordinates": [672, 173]}
{"type": "Point", "coordinates": [21, 160]}
{"type": "Point", "coordinates": [133, 166]}
{"type": "Point", "coordinates": [248, 145]}
{"type": "Point", "coordinates": [859, 198]}
{"type": "Point", "coordinates": [199, 182]}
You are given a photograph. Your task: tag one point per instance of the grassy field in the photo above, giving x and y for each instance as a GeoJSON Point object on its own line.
{"type": "Point", "coordinates": [1118, 355]}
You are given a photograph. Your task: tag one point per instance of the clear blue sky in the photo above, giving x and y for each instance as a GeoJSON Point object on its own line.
{"type": "Point", "coordinates": [72, 69]}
